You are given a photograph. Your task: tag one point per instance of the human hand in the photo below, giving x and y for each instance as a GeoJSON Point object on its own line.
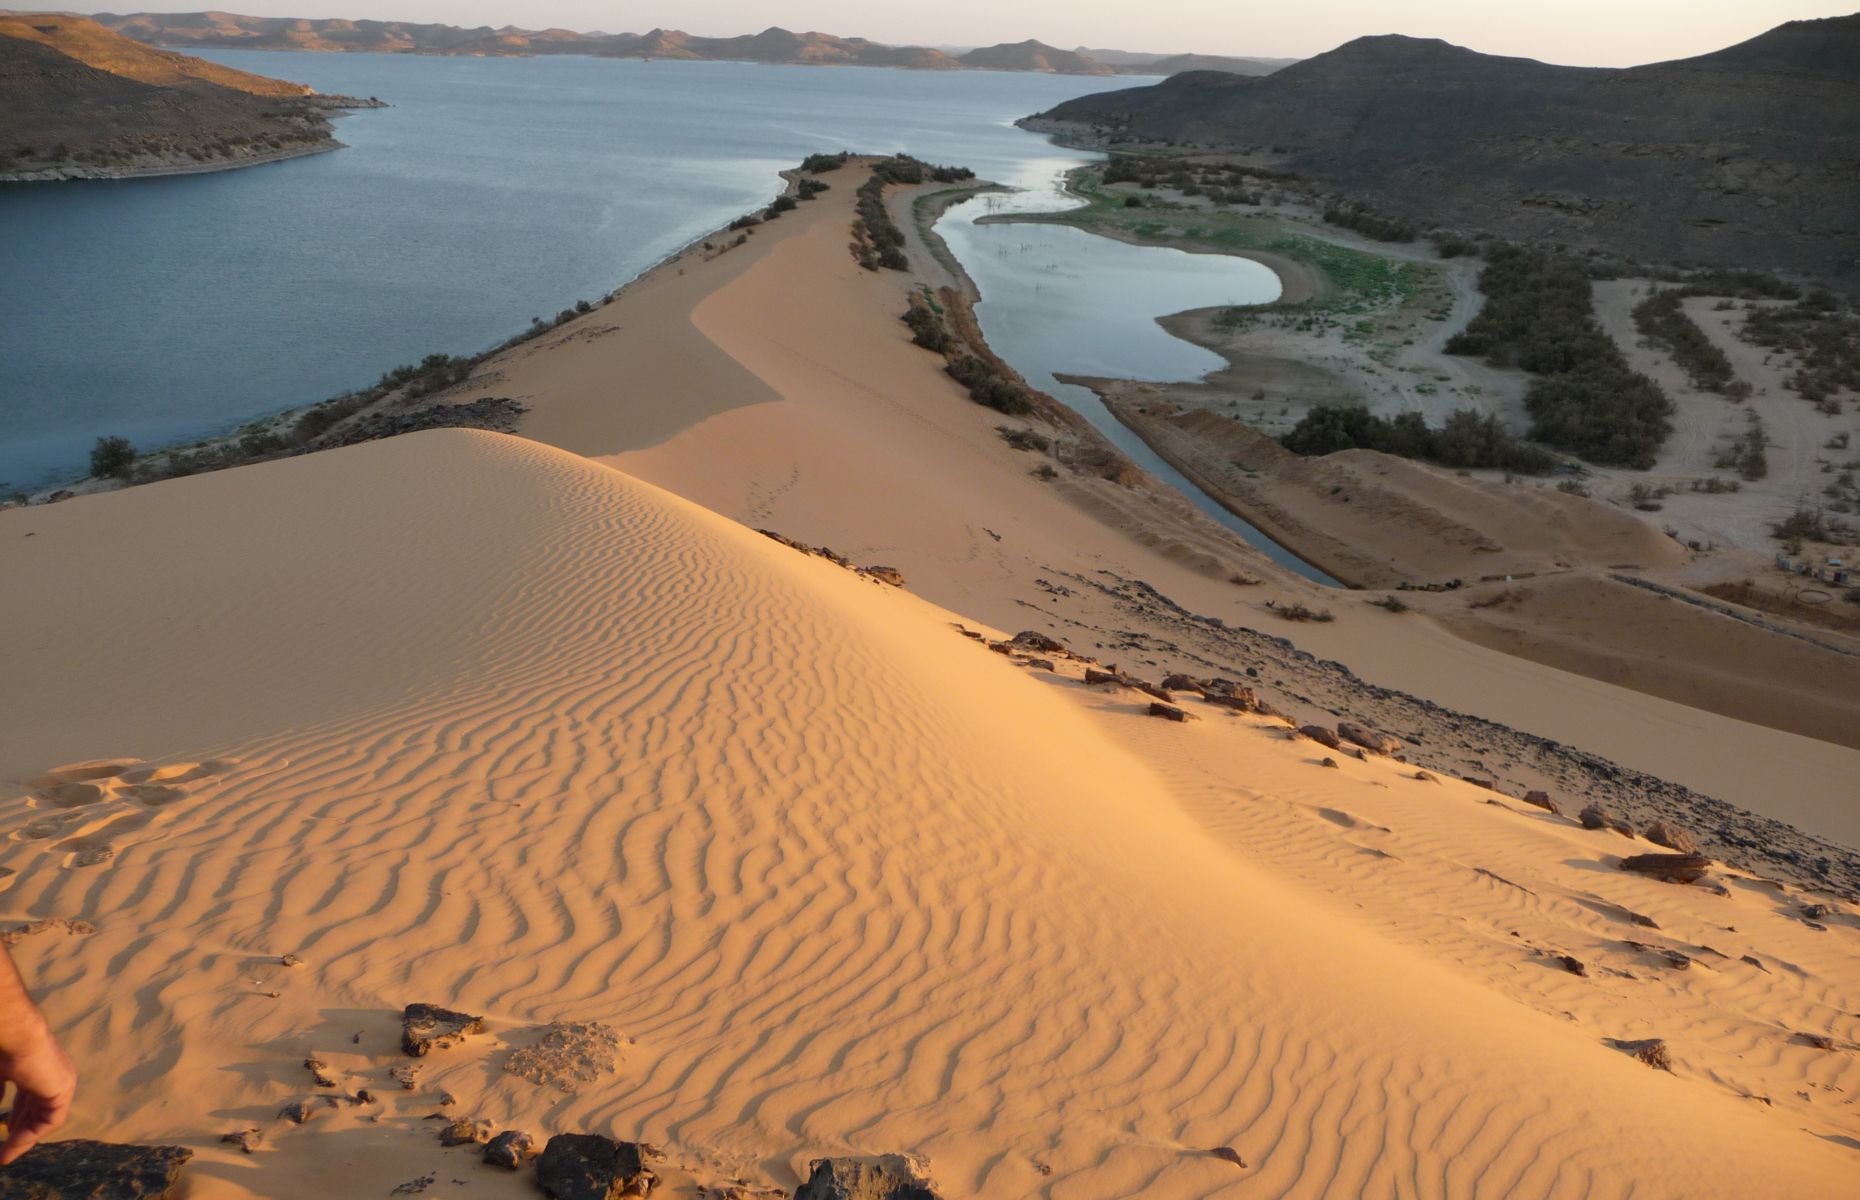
{"type": "Point", "coordinates": [44, 1082]}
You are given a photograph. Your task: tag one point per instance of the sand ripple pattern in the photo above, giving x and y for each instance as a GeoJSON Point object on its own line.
{"type": "Point", "coordinates": [847, 882]}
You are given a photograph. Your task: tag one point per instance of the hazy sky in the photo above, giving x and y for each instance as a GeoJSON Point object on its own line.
{"type": "Point", "coordinates": [1589, 32]}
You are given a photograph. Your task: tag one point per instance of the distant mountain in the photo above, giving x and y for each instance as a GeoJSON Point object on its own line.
{"type": "Point", "coordinates": [220, 30]}
{"type": "Point", "coordinates": [1034, 56]}
{"type": "Point", "coordinates": [77, 100]}
{"type": "Point", "coordinates": [1748, 156]}
{"type": "Point", "coordinates": [1130, 62]}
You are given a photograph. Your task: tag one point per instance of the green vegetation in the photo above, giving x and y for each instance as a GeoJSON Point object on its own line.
{"type": "Point", "coordinates": [1662, 319]}
{"type": "Point", "coordinates": [820, 164]}
{"type": "Point", "coordinates": [1371, 224]}
{"type": "Point", "coordinates": [111, 458]}
{"type": "Point", "coordinates": [1468, 439]}
{"type": "Point", "coordinates": [987, 385]}
{"type": "Point", "coordinates": [810, 188]}
{"type": "Point", "coordinates": [1539, 315]}
{"type": "Point", "coordinates": [877, 240]}
{"type": "Point", "coordinates": [1824, 338]}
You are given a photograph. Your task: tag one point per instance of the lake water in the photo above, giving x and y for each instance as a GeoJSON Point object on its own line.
{"type": "Point", "coordinates": [1055, 299]}
{"type": "Point", "coordinates": [495, 190]}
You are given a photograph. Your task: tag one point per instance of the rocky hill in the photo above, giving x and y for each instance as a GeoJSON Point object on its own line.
{"type": "Point", "coordinates": [1034, 56]}
{"type": "Point", "coordinates": [1130, 62]}
{"type": "Point", "coordinates": [1745, 157]}
{"type": "Point", "coordinates": [221, 30]}
{"type": "Point", "coordinates": [79, 101]}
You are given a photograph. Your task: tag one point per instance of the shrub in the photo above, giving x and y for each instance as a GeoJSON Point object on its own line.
{"type": "Point", "coordinates": [1662, 319]}
{"type": "Point", "coordinates": [782, 204]}
{"type": "Point", "coordinates": [927, 328]}
{"type": "Point", "coordinates": [820, 164]}
{"type": "Point", "coordinates": [809, 188]}
{"type": "Point", "coordinates": [1539, 315]}
{"type": "Point", "coordinates": [1468, 438]}
{"type": "Point", "coordinates": [1370, 224]}
{"type": "Point", "coordinates": [111, 457]}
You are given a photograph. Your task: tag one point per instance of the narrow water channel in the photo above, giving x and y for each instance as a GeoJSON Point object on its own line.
{"type": "Point", "coordinates": [1059, 299]}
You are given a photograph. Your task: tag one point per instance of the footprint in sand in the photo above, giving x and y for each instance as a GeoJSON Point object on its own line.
{"type": "Point", "coordinates": [108, 797]}
{"type": "Point", "coordinates": [67, 795]}
{"type": "Point", "coordinates": [87, 852]}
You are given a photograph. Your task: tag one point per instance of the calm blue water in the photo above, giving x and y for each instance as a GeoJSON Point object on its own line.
{"type": "Point", "coordinates": [495, 190]}
{"type": "Point", "coordinates": [1055, 299]}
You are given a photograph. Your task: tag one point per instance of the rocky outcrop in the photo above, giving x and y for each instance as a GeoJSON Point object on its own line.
{"type": "Point", "coordinates": [509, 1149]}
{"type": "Point", "coordinates": [85, 1170]}
{"type": "Point", "coordinates": [1168, 712]}
{"type": "Point", "coordinates": [1033, 639]}
{"type": "Point", "coordinates": [891, 1177]}
{"type": "Point", "coordinates": [425, 1027]}
{"type": "Point", "coordinates": [1541, 799]}
{"type": "Point", "coordinates": [1322, 735]}
{"type": "Point", "coordinates": [1665, 833]}
{"type": "Point", "coordinates": [1651, 1051]}
{"type": "Point", "coordinates": [1673, 868]}
{"type": "Point", "coordinates": [1368, 739]}
{"type": "Point", "coordinates": [588, 1166]}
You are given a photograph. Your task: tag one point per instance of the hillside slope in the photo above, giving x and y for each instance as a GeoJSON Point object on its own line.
{"type": "Point", "coordinates": [475, 722]}
{"type": "Point", "coordinates": [78, 101]}
{"type": "Point", "coordinates": [1744, 157]}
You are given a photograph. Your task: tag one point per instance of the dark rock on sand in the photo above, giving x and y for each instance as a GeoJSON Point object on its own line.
{"type": "Point", "coordinates": [891, 1177]}
{"type": "Point", "coordinates": [1538, 799]}
{"type": "Point", "coordinates": [1594, 817]}
{"type": "Point", "coordinates": [298, 1112]}
{"type": "Point", "coordinates": [1033, 639]}
{"type": "Point", "coordinates": [509, 1149]}
{"type": "Point", "coordinates": [461, 1132]}
{"type": "Point", "coordinates": [890, 575]}
{"type": "Point", "coordinates": [1651, 1051]}
{"type": "Point", "coordinates": [247, 1140]}
{"type": "Point", "coordinates": [424, 1027]}
{"type": "Point", "coordinates": [587, 1166]}
{"type": "Point", "coordinates": [1182, 683]}
{"type": "Point", "coordinates": [1322, 736]}
{"type": "Point", "coordinates": [1228, 1154]}
{"type": "Point", "coordinates": [1572, 964]}
{"type": "Point", "coordinates": [1673, 868]}
{"type": "Point", "coordinates": [1168, 712]}
{"type": "Point", "coordinates": [1368, 739]}
{"type": "Point", "coordinates": [81, 1169]}
{"type": "Point", "coordinates": [1665, 833]}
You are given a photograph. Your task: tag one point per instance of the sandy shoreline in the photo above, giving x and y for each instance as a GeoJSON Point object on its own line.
{"type": "Point", "coordinates": [535, 727]}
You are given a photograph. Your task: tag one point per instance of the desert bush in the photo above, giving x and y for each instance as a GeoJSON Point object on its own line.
{"type": "Point", "coordinates": [820, 164]}
{"type": "Point", "coordinates": [111, 457]}
{"type": "Point", "coordinates": [1298, 611]}
{"type": "Point", "coordinates": [1539, 315]}
{"type": "Point", "coordinates": [1467, 439]}
{"type": "Point", "coordinates": [782, 204]}
{"type": "Point", "coordinates": [927, 328]}
{"type": "Point", "coordinates": [1662, 319]}
{"type": "Point", "coordinates": [809, 188]}
{"type": "Point", "coordinates": [1370, 224]}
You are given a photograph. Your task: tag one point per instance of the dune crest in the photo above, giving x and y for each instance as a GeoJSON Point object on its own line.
{"type": "Point", "coordinates": [557, 746]}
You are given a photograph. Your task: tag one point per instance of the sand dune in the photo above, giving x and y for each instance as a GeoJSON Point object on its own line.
{"type": "Point", "coordinates": [491, 726]}
{"type": "Point", "coordinates": [852, 437]}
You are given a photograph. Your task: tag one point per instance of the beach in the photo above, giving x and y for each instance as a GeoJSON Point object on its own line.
{"type": "Point", "coordinates": [541, 728]}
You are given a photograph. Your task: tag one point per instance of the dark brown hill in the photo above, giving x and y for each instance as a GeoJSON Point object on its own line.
{"type": "Point", "coordinates": [1749, 156]}
{"type": "Point", "coordinates": [1032, 55]}
{"type": "Point", "coordinates": [77, 100]}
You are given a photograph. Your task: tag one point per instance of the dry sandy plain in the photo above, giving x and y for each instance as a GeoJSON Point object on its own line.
{"type": "Point", "coordinates": [536, 727]}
